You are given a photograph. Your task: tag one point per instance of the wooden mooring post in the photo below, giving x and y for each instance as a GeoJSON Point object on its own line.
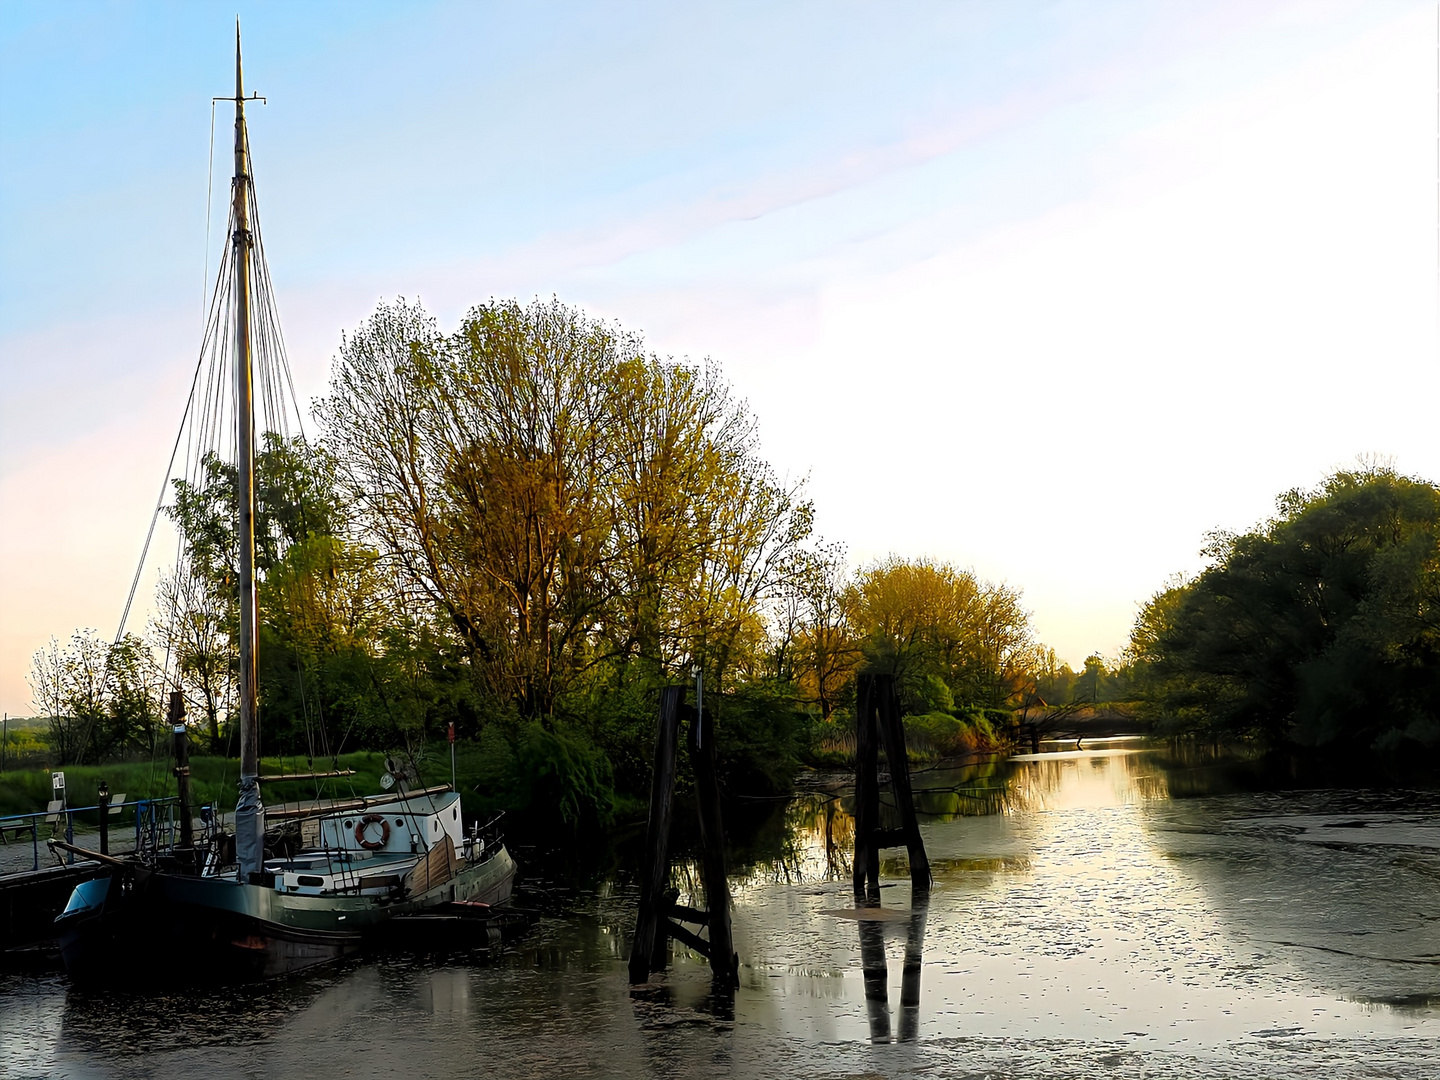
{"type": "Point", "coordinates": [877, 722]}
{"type": "Point", "coordinates": [660, 917]}
{"type": "Point", "coordinates": [655, 876]}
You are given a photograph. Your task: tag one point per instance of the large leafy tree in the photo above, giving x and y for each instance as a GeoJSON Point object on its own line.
{"type": "Point", "coordinates": [306, 576]}
{"type": "Point", "coordinates": [566, 502]}
{"type": "Point", "coordinates": [1321, 626]}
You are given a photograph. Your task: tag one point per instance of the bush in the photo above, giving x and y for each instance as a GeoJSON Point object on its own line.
{"type": "Point", "coordinates": [941, 734]}
{"type": "Point", "coordinates": [554, 779]}
{"type": "Point", "coordinates": [759, 733]}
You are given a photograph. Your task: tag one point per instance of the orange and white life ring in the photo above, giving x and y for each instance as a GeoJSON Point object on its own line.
{"type": "Point", "coordinates": [361, 827]}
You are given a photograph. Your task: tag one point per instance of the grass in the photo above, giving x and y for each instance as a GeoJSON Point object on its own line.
{"type": "Point", "coordinates": [213, 780]}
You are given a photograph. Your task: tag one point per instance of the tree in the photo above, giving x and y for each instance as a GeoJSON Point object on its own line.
{"type": "Point", "coordinates": [675, 436]}
{"type": "Point", "coordinates": [196, 622]}
{"type": "Point", "coordinates": [564, 500]}
{"type": "Point", "coordinates": [193, 632]}
{"type": "Point", "coordinates": [100, 696]}
{"type": "Point", "coordinates": [1322, 626]}
{"type": "Point", "coordinates": [921, 618]}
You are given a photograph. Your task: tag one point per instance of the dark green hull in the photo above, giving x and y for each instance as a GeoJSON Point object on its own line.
{"type": "Point", "coordinates": [183, 929]}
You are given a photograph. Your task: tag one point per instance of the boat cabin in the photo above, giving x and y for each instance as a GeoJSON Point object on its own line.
{"type": "Point", "coordinates": [371, 850]}
{"type": "Point", "coordinates": [410, 827]}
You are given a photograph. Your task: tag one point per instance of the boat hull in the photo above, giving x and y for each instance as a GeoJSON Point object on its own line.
{"type": "Point", "coordinates": [183, 929]}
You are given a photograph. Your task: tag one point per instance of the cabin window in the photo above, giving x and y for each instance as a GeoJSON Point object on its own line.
{"type": "Point", "coordinates": [310, 879]}
{"type": "Point", "coordinates": [399, 823]}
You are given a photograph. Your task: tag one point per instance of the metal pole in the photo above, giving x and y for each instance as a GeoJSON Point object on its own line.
{"type": "Point", "coordinates": [699, 673]}
{"type": "Point", "coordinates": [452, 755]}
{"type": "Point", "coordinates": [4, 741]}
{"type": "Point", "coordinates": [103, 801]}
{"type": "Point", "coordinates": [249, 811]}
{"type": "Point", "coordinates": [182, 771]}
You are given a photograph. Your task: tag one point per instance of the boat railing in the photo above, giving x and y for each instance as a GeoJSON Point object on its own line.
{"type": "Point", "coordinates": [484, 840]}
{"type": "Point", "coordinates": [154, 825]}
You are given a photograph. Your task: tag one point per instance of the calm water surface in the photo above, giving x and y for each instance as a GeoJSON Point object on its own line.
{"type": "Point", "coordinates": [1109, 912]}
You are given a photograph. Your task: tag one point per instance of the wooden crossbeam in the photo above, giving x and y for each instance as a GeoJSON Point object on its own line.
{"type": "Point", "coordinates": [685, 937]}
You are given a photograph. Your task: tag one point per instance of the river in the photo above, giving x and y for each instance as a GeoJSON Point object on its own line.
{"type": "Point", "coordinates": [1116, 911]}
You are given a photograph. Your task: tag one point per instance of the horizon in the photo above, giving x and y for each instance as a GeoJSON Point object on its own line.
{"type": "Point", "coordinates": [1097, 282]}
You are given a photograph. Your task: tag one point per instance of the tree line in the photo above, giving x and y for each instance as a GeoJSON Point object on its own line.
{"type": "Point", "coordinates": [525, 527]}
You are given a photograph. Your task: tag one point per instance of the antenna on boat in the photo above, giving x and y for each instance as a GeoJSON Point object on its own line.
{"type": "Point", "coordinates": [249, 811]}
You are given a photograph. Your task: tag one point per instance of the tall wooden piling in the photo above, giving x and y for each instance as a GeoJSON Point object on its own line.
{"type": "Point", "coordinates": [654, 925]}
{"type": "Point", "coordinates": [723, 961]}
{"type": "Point", "coordinates": [892, 733]}
{"type": "Point", "coordinates": [650, 936]}
{"type": "Point", "coordinates": [877, 720]}
{"type": "Point", "coordinates": [866, 865]}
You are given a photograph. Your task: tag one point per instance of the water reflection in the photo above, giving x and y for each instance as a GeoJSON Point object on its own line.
{"type": "Point", "coordinates": [876, 977]}
{"type": "Point", "coordinates": [1170, 911]}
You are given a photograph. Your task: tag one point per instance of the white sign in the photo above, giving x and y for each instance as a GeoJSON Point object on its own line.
{"type": "Point", "coordinates": [57, 781]}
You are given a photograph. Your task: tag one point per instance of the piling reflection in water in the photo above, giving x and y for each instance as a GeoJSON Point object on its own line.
{"type": "Point", "coordinates": [1092, 923]}
{"type": "Point", "coordinates": [871, 920]}
{"type": "Point", "coordinates": [876, 977]}
{"type": "Point", "coordinates": [910, 974]}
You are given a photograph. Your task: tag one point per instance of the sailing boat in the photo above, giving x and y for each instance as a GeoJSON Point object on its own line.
{"type": "Point", "coordinates": [371, 861]}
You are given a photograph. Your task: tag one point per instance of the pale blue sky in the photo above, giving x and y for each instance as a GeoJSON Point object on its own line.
{"type": "Point", "coordinates": [1093, 277]}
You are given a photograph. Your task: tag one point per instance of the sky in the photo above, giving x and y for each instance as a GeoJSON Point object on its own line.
{"type": "Point", "coordinates": [1046, 290]}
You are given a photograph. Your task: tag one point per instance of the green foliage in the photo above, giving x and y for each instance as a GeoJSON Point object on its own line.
{"type": "Point", "coordinates": [1100, 681]}
{"type": "Point", "coordinates": [922, 621]}
{"type": "Point", "coordinates": [212, 780]}
{"type": "Point", "coordinates": [758, 737]}
{"type": "Point", "coordinates": [560, 778]}
{"type": "Point", "coordinates": [1322, 627]}
{"type": "Point", "coordinates": [937, 695]}
{"type": "Point", "coordinates": [946, 734]}
{"type": "Point", "coordinates": [99, 697]}
{"type": "Point", "coordinates": [621, 720]}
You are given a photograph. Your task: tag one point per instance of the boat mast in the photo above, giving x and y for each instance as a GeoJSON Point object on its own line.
{"type": "Point", "coordinates": [249, 813]}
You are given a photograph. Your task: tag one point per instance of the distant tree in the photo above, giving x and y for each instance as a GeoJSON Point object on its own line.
{"type": "Point", "coordinates": [99, 696]}
{"type": "Point", "coordinates": [827, 646]}
{"type": "Point", "coordinates": [1054, 680]}
{"type": "Point", "coordinates": [919, 618]}
{"type": "Point", "coordinates": [192, 633]}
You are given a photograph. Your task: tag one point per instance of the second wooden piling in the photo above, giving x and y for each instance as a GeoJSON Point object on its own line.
{"type": "Point", "coordinates": [724, 964]}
